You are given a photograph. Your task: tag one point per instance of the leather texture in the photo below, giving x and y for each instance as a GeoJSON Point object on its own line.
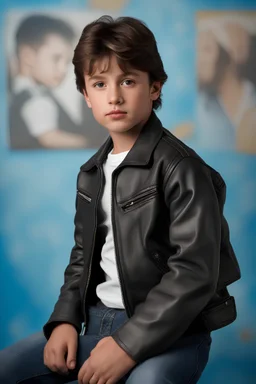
{"type": "Point", "coordinates": [173, 253]}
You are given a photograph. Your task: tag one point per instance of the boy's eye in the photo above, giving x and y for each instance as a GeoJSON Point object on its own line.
{"type": "Point", "coordinates": [99, 85]}
{"type": "Point", "coordinates": [128, 82]}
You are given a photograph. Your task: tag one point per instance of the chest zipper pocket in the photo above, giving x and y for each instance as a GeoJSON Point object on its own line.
{"type": "Point", "coordinates": [142, 198]}
{"type": "Point", "coordinates": [84, 196]}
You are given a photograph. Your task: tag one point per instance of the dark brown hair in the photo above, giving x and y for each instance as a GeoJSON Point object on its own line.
{"type": "Point", "coordinates": [33, 30]}
{"type": "Point", "coordinates": [129, 39]}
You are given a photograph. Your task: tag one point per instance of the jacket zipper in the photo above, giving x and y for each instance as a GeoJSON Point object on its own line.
{"type": "Point", "coordinates": [92, 248]}
{"type": "Point", "coordinates": [143, 197]}
{"type": "Point", "coordinates": [125, 302]}
{"type": "Point", "coordinates": [85, 197]}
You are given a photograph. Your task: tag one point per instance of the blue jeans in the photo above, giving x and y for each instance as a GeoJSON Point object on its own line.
{"type": "Point", "coordinates": [183, 363]}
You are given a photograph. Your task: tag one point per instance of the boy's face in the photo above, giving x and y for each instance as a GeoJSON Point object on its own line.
{"type": "Point", "coordinates": [48, 64]}
{"type": "Point", "coordinates": [207, 57]}
{"type": "Point", "coordinates": [113, 91]}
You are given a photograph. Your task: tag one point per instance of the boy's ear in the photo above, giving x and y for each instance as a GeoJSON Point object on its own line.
{"type": "Point", "coordinates": [87, 99]}
{"type": "Point", "coordinates": [27, 55]}
{"type": "Point", "coordinates": [155, 90]}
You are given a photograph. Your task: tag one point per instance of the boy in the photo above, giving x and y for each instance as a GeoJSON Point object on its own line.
{"type": "Point", "coordinates": [37, 119]}
{"type": "Point", "coordinates": [152, 258]}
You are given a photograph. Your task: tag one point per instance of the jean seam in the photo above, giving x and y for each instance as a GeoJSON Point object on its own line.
{"type": "Point", "coordinates": [110, 317]}
{"type": "Point", "coordinates": [197, 362]}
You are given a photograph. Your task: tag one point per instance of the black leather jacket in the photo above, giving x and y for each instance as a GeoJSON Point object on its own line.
{"type": "Point", "coordinates": [173, 253]}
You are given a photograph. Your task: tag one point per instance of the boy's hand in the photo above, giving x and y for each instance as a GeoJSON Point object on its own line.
{"type": "Point", "coordinates": [106, 365]}
{"type": "Point", "coordinates": [62, 344]}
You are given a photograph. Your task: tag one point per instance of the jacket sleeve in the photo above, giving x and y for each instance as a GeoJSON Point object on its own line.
{"type": "Point", "coordinates": [183, 292]}
{"type": "Point", "coordinates": [68, 307]}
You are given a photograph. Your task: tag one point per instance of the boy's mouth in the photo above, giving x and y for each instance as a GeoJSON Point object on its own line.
{"type": "Point", "coordinates": [116, 112]}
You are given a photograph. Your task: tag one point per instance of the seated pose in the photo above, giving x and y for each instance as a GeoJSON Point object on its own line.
{"type": "Point", "coordinates": [147, 279]}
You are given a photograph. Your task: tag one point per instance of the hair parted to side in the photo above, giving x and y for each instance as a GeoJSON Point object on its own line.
{"type": "Point", "coordinates": [129, 39]}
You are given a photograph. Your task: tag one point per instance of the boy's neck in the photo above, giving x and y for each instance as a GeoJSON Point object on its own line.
{"type": "Point", "coordinates": [123, 142]}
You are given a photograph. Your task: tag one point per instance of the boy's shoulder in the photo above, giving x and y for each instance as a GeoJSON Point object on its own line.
{"type": "Point", "coordinates": [173, 150]}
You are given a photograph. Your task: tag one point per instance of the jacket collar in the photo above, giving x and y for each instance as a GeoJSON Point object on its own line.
{"type": "Point", "coordinates": [141, 151]}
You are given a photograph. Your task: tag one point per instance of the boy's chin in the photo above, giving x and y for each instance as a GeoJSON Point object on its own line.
{"type": "Point", "coordinates": [120, 128]}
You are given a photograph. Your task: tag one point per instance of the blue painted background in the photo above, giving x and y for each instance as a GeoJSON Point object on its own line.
{"type": "Point", "coordinates": [37, 193]}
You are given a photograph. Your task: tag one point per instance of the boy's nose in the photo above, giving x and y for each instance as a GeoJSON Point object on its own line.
{"type": "Point", "coordinates": [115, 97]}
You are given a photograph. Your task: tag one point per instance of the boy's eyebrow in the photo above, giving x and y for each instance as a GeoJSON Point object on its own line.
{"type": "Point", "coordinates": [124, 74]}
{"type": "Point", "coordinates": [130, 73]}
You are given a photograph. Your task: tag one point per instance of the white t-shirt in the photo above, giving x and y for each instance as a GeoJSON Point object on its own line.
{"type": "Point", "coordinates": [109, 292]}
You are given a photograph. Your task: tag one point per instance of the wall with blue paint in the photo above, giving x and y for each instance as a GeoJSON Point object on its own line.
{"type": "Point", "coordinates": [37, 191]}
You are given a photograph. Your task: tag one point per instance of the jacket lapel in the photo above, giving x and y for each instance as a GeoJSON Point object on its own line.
{"type": "Point", "coordinates": [141, 151]}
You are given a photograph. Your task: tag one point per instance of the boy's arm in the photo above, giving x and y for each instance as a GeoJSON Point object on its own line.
{"type": "Point", "coordinates": [61, 139]}
{"type": "Point", "coordinates": [68, 307]}
{"type": "Point", "coordinates": [41, 117]}
{"type": "Point", "coordinates": [195, 227]}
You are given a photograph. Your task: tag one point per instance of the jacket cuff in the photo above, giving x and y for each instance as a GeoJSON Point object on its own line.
{"type": "Point", "coordinates": [121, 344]}
{"type": "Point", "coordinates": [132, 346]}
{"type": "Point", "coordinates": [54, 322]}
